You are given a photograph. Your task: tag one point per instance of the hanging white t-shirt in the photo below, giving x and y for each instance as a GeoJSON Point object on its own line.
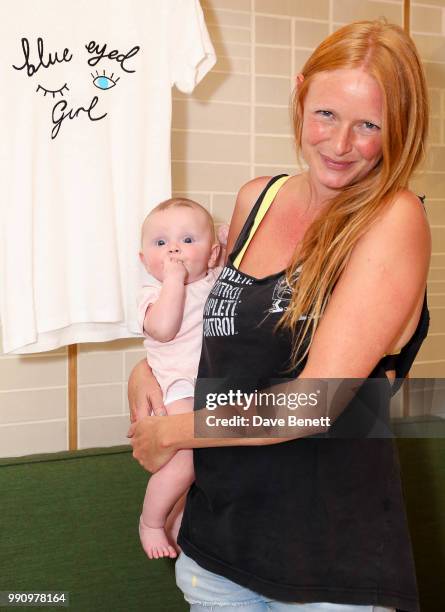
{"type": "Point", "coordinates": [85, 117]}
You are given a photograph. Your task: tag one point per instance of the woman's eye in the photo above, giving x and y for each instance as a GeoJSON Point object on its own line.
{"type": "Point", "coordinates": [370, 126]}
{"type": "Point", "coordinates": [160, 242]}
{"type": "Point", "coordinates": [325, 113]}
{"type": "Point", "coordinates": [188, 240]}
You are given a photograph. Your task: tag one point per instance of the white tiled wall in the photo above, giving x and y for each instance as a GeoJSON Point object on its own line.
{"type": "Point", "coordinates": [235, 126]}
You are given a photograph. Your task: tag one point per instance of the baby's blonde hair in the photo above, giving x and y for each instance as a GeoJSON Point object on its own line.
{"type": "Point", "coordinates": [185, 202]}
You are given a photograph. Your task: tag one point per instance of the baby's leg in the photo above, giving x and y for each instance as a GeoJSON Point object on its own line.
{"type": "Point", "coordinates": [173, 522]}
{"type": "Point", "coordinates": [163, 490]}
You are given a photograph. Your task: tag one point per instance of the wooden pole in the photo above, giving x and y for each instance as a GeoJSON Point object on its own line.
{"type": "Point", "coordinates": [72, 397]}
{"type": "Point", "coordinates": [406, 15]}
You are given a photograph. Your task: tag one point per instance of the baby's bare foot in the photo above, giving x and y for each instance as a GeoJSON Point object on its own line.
{"type": "Point", "coordinates": [155, 542]}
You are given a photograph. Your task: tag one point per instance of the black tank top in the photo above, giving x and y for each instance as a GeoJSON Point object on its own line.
{"type": "Point", "coordinates": [309, 520]}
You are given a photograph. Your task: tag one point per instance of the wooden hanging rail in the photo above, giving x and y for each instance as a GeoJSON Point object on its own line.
{"type": "Point", "coordinates": [406, 16]}
{"type": "Point", "coordinates": [72, 397]}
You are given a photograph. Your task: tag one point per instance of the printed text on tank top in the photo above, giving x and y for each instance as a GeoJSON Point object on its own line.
{"type": "Point", "coordinates": [279, 224]}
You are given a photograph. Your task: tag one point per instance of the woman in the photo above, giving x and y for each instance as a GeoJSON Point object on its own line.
{"type": "Point", "coordinates": [272, 523]}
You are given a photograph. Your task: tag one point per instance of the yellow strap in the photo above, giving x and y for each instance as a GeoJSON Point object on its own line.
{"type": "Point", "coordinates": [269, 197]}
{"type": "Point", "coordinates": [392, 354]}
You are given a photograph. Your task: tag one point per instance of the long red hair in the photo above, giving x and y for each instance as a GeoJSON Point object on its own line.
{"type": "Point", "coordinates": [389, 55]}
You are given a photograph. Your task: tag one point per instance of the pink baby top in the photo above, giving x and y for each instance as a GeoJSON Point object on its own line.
{"type": "Point", "coordinates": [179, 358]}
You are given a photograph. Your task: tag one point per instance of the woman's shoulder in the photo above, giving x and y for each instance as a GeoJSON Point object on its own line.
{"type": "Point", "coordinates": [401, 230]}
{"type": "Point", "coordinates": [405, 199]}
{"type": "Point", "coordinates": [406, 215]}
{"type": "Point", "coordinates": [250, 191]}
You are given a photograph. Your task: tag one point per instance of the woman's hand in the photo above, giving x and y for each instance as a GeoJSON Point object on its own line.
{"type": "Point", "coordinates": [144, 393]}
{"type": "Point", "coordinates": [147, 437]}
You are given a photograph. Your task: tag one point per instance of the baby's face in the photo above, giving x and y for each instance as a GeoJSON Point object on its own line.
{"type": "Point", "coordinates": [180, 233]}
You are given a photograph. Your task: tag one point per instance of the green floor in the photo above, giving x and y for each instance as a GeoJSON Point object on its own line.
{"type": "Point", "coordinates": [68, 521]}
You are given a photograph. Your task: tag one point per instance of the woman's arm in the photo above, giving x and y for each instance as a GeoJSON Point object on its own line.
{"type": "Point", "coordinates": [144, 393]}
{"type": "Point", "coordinates": [376, 295]}
{"type": "Point", "coordinates": [156, 439]}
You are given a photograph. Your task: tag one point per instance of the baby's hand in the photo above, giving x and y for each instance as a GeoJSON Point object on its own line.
{"type": "Point", "coordinates": [223, 233]}
{"type": "Point", "coordinates": [174, 268]}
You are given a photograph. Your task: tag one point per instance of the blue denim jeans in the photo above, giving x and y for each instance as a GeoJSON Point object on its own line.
{"type": "Point", "coordinates": [207, 592]}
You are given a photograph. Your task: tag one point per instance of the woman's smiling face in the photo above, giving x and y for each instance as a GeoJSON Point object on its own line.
{"type": "Point", "coordinates": [342, 123]}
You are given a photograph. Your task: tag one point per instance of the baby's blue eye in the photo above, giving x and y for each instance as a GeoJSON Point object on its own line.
{"type": "Point", "coordinates": [188, 240]}
{"type": "Point", "coordinates": [160, 242]}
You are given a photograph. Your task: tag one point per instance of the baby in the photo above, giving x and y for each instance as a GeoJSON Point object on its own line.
{"type": "Point", "coordinates": [180, 250]}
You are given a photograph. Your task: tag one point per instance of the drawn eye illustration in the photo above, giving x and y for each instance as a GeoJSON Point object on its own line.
{"type": "Point", "coordinates": [53, 92]}
{"type": "Point", "coordinates": [102, 81]}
